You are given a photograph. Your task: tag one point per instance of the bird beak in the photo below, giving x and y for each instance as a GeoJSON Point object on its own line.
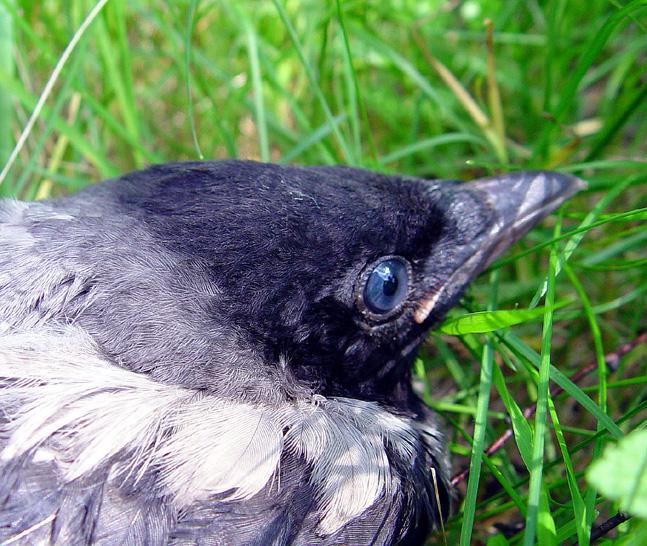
{"type": "Point", "coordinates": [515, 203]}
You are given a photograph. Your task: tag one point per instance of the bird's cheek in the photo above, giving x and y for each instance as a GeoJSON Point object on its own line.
{"type": "Point", "coordinates": [368, 358]}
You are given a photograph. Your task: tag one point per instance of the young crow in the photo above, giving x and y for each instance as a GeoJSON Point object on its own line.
{"type": "Point", "coordinates": [219, 352]}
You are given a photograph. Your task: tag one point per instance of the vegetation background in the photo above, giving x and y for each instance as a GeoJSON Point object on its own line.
{"type": "Point", "coordinates": [441, 88]}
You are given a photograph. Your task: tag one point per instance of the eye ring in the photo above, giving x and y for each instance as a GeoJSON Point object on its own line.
{"type": "Point", "coordinates": [383, 287]}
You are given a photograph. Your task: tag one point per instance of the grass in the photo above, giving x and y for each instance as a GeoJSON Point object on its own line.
{"type": "Point", "coordinates": [427, 89]}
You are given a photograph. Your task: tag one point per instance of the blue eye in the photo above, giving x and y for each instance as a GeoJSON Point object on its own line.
{"type": "Point", "coordinates": [386, 286]}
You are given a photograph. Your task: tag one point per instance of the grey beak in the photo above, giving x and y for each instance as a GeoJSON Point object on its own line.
{"type": "Point", "coordinates": [516, 202]}
{"type": "Point", "coordinates": [520, 201]}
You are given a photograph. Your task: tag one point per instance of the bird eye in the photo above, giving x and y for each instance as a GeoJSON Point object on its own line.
{"type": "Point", "coordinates": [386, 285]}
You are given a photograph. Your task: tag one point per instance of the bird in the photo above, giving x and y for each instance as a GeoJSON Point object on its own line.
{"type": "Point", "coordinates": [219, 352]}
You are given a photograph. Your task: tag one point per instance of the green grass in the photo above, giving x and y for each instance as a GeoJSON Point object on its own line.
{"type": "Point", "coordinates": [359, 83]}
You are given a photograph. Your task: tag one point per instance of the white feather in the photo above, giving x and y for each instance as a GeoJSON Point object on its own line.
{"type": "Point", "coordinates": [62, 395]}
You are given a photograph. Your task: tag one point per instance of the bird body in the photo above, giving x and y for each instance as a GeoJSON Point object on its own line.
{"type": "Point", "coordinates": [219, 352]}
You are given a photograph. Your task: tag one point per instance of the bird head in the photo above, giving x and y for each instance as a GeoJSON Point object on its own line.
{"type": "Point", "coordinates": [332, 274]}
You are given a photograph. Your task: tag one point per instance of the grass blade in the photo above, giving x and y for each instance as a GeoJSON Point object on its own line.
{"type": "Point", "coordinates": [187, 76]}
{"type": "Point", "coordinates": [618, 121]}
{"type": "Point", "coordinates": [480, 427]}
{"type": "Point", "coordinates": [7, 68]}
{"type": "Point", "coordinates": [590, 53]}
{"type": "Point", "coordinates": [558, 377]}
{"type": "Point", "coordinates": [483, 322]}
{"type": "Point", "coordinates": [429, 143]}
{"type": "Point", "coordinates": [582, 525]}
{"type": "Point", "coordinates": [257, 84]}
{"type": "Point", "coordinates": [574, 241]}
{"type": "Point", "coordinates": [353, 91]}
{"type": "Point", "coordinates": [347, 154]}
{"type": "Point", "coordinates": [71, 46]}
{"type": "Point", "coordinates": [80, 141]}
{"type": "Point", "coordinates": [536, 470]}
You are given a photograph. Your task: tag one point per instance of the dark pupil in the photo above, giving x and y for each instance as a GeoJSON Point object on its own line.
{"type": "Point", "coordinates": [386, 286]}
{"type": "Point", "coordinates": [390, 285]}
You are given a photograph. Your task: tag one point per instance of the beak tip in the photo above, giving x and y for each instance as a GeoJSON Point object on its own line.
{"type": "Point", "coordinates": [529, 194]}
{"type": "Point", "coordinates": [567, 185]}
{"type": "Point", "coordinates": [519, 200]}
{"type": "Point", "coordinates": [580, 184]}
